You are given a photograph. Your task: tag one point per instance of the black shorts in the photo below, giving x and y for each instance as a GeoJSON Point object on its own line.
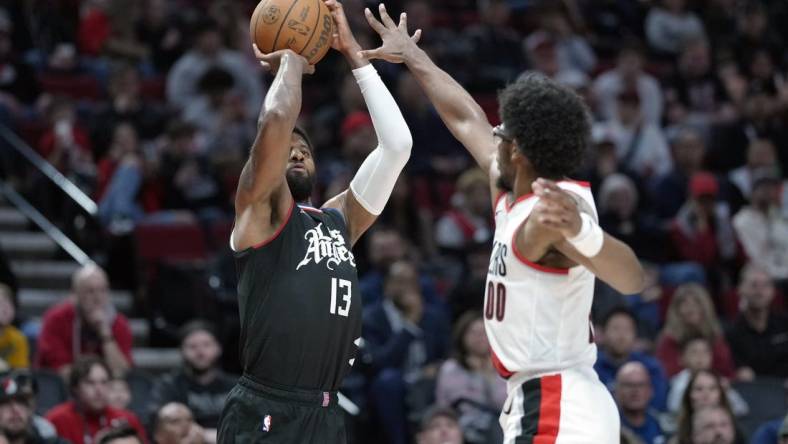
{"type": "Point", "coordinates": [258, 413]}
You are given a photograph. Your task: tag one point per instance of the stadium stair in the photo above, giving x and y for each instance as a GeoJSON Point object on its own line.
{"type": "Point", "coordinates": [44, 280]}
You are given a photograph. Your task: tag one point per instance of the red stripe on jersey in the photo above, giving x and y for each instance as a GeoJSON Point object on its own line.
{"type": "Point", "coordinates": [582, 183]}
{"type": "Point", "coordinates": [278, 230]}
{"type": "Point", "coordinates": [506, 374]}
{"type": "Point", "coordinates": [522, 198]}
{"type": "Point", "coordinates": [534, 265]}
{"type": "Point", "coordinates": [549, 410]}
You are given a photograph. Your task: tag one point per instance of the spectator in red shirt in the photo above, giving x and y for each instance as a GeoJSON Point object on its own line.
{"type": "Point", "coordinates": [702, 231]}
{"type": "Point", "coordinates": [88, 414]}
{"type": "Point", "coordinates": [691, 313]}
{"type": "Point", "coordinates": [86, 324]}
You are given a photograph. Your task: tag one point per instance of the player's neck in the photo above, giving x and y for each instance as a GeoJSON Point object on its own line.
{"type": "Point", "coordinates": [522, 183]}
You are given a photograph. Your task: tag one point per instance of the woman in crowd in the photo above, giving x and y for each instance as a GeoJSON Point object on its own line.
{"type": "Point", "coordinates": [705, 390]}
{"type": "Point", "coordinates": [691, 313]}
{"type": "Point", "coordinates": [468, 382]}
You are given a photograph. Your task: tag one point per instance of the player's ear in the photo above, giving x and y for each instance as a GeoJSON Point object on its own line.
{"type": "Point", "coordinates": [516, 157]}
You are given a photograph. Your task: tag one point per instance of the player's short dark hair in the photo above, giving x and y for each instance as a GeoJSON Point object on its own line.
{"type": "Point", "coordinates": [119, 432]}
{"type": "Point", "coordinates": [622, 311]}
{"type": "Point", "coordinates": [194, 326]}
{"type": "Point", "coordinates": [81, 369]}
{"type": "Point", "coordinates": [548, 121]}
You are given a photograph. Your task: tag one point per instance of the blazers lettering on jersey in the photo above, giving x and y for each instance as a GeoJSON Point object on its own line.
{"type": "Point", "coordinates": [498, 259]}
{"type": "Point", "coordinates": [330, 246]}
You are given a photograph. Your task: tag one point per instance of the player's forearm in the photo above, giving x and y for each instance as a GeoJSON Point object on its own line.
{"type": "Point", "coordinates": [283, 101]}
{"type": "Point", "coordinates": [615, 264]}
{"type": "Point", "coordinates": [392, 131]}
{"type": "Point", "coordinates": [374, 181]}
{"type": "Point", "coordinates": [268, 158]}
{"type": "Point", "coordinates": [453, 103]}
{"type": "Point", "coordinates": [463, 116]}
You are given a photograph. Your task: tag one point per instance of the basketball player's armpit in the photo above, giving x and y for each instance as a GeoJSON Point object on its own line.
{"type": "Point", "coordinates": [265, 170]}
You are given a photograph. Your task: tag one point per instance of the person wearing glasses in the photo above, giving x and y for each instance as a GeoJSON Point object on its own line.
{"type": "Point", "coordinates": [547, 248]}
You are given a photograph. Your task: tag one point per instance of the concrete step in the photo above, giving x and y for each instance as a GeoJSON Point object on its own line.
{"type": "Point", "coordinates": [51, 275]}
{"type": "Point", "coordinates": [34, 301]}
{"type": "Point", "coordinates": [156, 360]}
{"type": "Point", "coordinates": [140, 331]}
{"type": "Point", "coordinates": [27, 245]}
{"type": "Point", "coordinates": [12, 219]}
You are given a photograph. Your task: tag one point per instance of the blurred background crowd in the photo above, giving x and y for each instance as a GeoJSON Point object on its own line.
{"type": "Point", "coordinates": [124, 125]}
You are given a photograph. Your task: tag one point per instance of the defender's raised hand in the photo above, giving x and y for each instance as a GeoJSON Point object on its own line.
{"type": "Point", "coordinates": [397, 43]}
{"type": "Point", "coordinates": [272, 61]}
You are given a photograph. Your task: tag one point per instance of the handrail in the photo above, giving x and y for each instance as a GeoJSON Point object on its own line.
{"type": "Point", "coordinates": [48, 227]}
{"type": "Point", "coordinates": [46, 168]}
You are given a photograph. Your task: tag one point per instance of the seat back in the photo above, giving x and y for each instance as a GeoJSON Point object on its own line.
{"type": "Point", "coordinates": [52, 390]}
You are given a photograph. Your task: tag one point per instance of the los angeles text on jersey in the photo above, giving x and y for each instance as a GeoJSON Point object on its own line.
{"type": "Point", "coordinates": [330, 246]}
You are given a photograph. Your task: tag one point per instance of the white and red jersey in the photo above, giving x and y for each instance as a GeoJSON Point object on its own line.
{"type": "Point", "coordinates": [537, 318]}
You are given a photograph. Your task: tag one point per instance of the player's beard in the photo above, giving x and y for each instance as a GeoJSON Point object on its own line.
{"type": "Point", "coordinates": [300, 185]}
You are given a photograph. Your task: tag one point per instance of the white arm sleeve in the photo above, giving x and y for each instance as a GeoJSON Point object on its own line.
{"type": "Point", "coordinates": [375, 179]}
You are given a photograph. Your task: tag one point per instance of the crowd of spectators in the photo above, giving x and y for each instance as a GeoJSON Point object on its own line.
{"type": "Point", "coordinates": [150, 108]}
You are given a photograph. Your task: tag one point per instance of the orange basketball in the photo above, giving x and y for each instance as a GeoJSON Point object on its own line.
{"type": "Point", "coordinates": [305, 26]}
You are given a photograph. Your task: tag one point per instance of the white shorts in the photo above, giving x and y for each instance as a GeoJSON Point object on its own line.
{"type": "Point", "coordinates": [571, 407]}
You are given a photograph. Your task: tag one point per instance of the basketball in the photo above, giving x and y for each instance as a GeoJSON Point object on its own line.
{"type": "Point", "coordinates": [305, 26]}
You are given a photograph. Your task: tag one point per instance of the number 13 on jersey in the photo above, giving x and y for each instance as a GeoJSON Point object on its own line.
{"type": "Point", "coordinates": [342, 285]}
{"type": "Point", "coordinates": [495, 305]}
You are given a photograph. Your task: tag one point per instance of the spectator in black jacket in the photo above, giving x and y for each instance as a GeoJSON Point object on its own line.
{"type": "Point", "coordinates": [759, 337]}
{"type": "Point", "coordinates": [200, 384]}
{"type": "Point", "coordinates": [404, 343]}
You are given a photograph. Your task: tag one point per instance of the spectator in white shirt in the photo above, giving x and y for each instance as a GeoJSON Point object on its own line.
{"type": "Point", "coordinates": [762, 228]}
{"type": "Point", "coordinates": [671, 26]}
{"type": "Point", "coordinates": [629, 73]}
{"type": "Point", "coordinates": [641, 146]}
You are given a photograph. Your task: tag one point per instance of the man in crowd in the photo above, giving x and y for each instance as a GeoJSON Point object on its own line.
{"type": "Point", "coordinates": [713, 425]}
{"type": "Point", "coordinates": [440, 426]}
{"type": "Point", "coordinates": [620, 333]}
{"type": "Point", "coordinates": [758, 338]}
{"type": "Point", "coordinates": [200, 384]}
{"type": "Point", "coordinates": [633, 394]}
{"type": "Point", "coordinates": [87, 324]}
{"type": "Point", "coordinates": [17, 413]}
{"type": "Point", "coordinates": [121, 435]}
{"type": "Point", "coordinates": [405, 339]}
{"type": "Point", "coordinates": [762, 228]}
{"type": "Point", "coordinates": [83, 418]}
{"type": "Point", "coordinates": [175, 424]}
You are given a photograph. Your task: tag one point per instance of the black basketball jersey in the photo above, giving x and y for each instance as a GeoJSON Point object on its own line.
{"type": "Point", "coordinates": [300, 303]}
